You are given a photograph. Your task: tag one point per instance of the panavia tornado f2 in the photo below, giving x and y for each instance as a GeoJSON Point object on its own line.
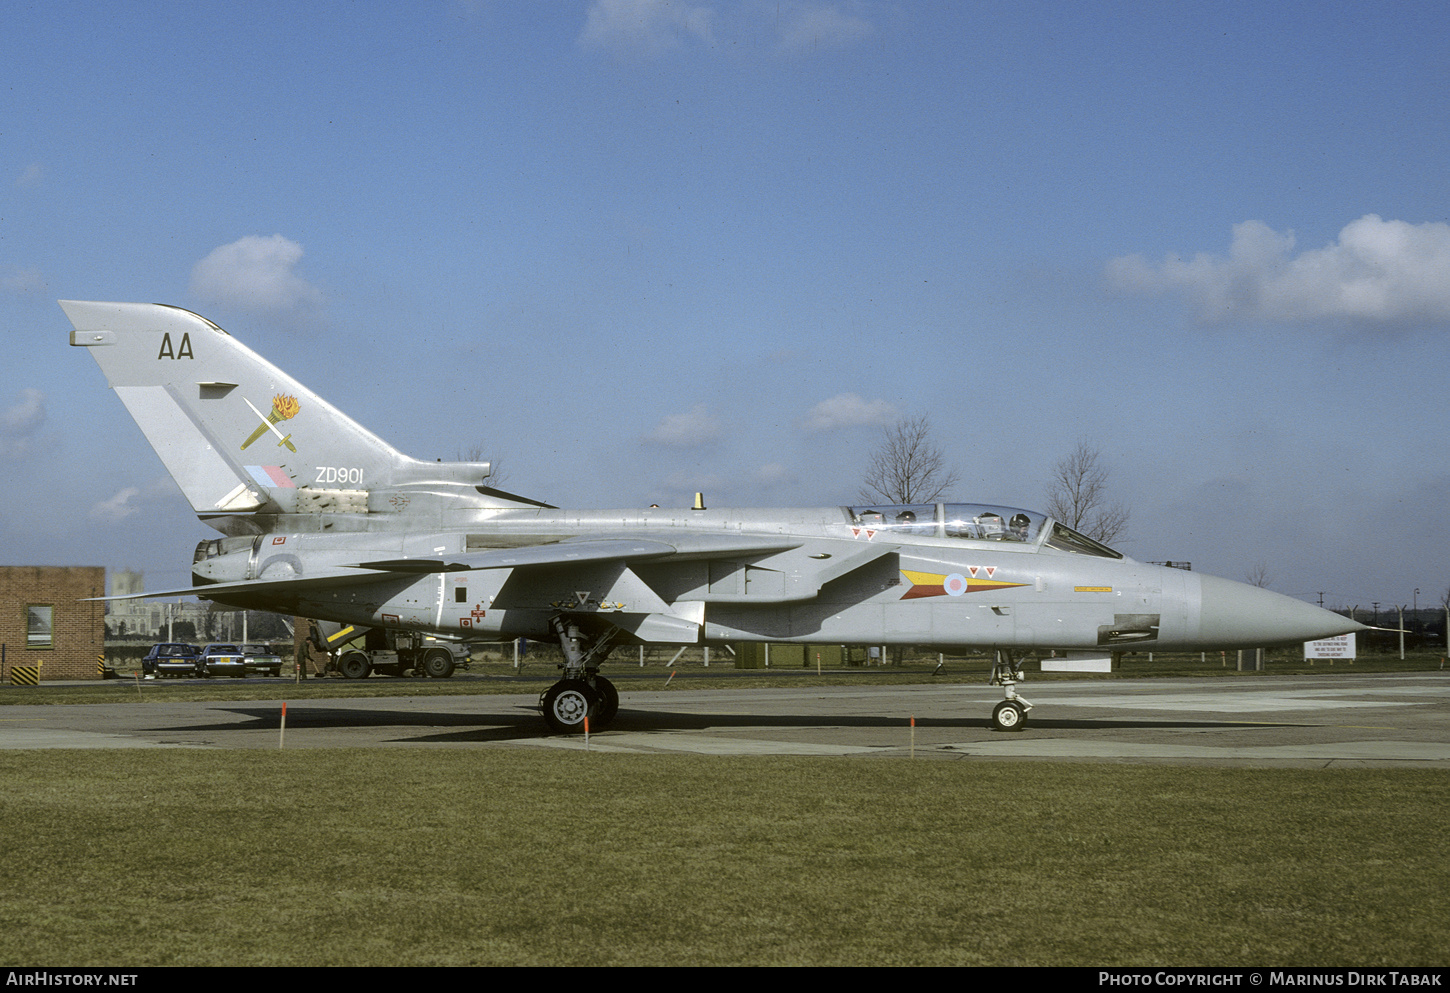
{"type": "Point", "coordinates": [323, 519]}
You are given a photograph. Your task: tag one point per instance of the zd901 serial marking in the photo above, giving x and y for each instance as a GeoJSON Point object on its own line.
{"type": "Point", "coordinates": [338, 474]}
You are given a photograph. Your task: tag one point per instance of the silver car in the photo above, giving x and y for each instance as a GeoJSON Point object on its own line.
{"type": "Point", "coordinates": [221, 660]}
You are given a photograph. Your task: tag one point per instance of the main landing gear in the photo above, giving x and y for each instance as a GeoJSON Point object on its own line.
{"type": "Point", "coordinates": [581, 693]}
{"type": "Point", "coordinates": [1011, 713]}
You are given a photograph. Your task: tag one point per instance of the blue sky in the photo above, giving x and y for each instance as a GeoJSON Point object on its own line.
{"type": "Point", "coordinates": [637, 248]}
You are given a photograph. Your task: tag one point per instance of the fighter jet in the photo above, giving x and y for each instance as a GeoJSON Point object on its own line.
{"type": "Point", "coordinates": [323, 519]}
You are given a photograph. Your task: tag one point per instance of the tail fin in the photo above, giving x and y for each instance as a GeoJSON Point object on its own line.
{"type": "Point", "coordinates": [238, 434]}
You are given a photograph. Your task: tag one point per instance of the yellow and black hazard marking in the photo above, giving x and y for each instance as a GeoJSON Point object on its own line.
{"type": "Point", "coordinates": [25, 675]}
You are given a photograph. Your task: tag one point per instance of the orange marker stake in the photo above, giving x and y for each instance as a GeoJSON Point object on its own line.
{"type": "Point", "coordinates": [586, 732]}
{"type": "Point", "coordinates": [283, 732]}
{"type": "Point", "coordinates": [672, 676]}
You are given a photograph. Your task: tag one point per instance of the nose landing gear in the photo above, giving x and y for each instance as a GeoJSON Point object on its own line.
{"type": "Point", "coordinates": [1011, 713]}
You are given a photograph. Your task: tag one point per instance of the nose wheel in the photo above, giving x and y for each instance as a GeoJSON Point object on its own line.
{"type": "Point", "coordinates": [1011, 713]}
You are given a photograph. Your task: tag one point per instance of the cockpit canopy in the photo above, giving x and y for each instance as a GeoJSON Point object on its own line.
{"type": "Point", "coordinates": [977, 522]}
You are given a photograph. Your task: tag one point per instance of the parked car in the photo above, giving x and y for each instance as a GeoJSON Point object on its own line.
{"type": "Point", "coordinates": [221, 660]}
{"type": "Point", "coordinates": [261, 660]}
{"type": "Point", "coordinates": [170, 658]}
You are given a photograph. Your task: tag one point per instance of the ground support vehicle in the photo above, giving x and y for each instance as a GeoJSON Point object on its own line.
{"type": "Point", "coordinates": [356, 653]}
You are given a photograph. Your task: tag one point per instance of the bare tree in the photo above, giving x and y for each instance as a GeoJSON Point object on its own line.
{"type": "Point", "coordinates": [1259, 576]}
{"type": "Point", "coordinates": [475, 453]}
{"type": "Point", "coordinates": [905, 467]}
{"type": "Point", "coordinates": [1077, 496]}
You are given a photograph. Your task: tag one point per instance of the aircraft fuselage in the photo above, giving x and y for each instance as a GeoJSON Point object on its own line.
{"type": "Point", "coordinates": [828, 580]}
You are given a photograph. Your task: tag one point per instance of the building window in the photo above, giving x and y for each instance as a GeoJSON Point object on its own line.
{"type": "Point", "coordinates": [38, 627]}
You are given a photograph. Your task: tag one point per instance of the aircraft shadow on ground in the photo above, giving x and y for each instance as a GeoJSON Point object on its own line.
{"type": "Point", "coordinates": [521, 722]}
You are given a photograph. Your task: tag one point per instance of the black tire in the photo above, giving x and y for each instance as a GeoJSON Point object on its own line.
{"type": "Point", "coordinates": [438, 663]}
{"type": "Point", "coordinates": [608, 704]}
{"type": "Point", "coordinates": [354, 665]}
{"type": "Point", "coordinates": [567, 703]}
{"type": "Point", "coordinates": [1009, 715]}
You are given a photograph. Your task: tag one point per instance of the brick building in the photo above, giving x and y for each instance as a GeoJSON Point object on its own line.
{"type": "Point", "coordinates": [46, 621]}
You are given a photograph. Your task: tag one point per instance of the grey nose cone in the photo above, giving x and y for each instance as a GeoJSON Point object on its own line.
{"type": "Point", "coordinates": [1235, 615]}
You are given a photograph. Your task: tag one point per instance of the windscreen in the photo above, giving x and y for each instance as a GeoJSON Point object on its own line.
{"type": "Point", "coordinates": [1068, 540]}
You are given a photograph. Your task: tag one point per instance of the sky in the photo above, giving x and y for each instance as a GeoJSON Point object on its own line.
{"type": "Point", "coordinates": [631, 249]}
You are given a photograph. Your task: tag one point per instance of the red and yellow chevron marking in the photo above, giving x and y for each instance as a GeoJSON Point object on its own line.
{"type": "Point", "coordinates": [936, 584]}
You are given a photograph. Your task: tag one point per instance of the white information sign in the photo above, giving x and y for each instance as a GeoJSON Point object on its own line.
{"type": "Point", "coordinates": [1339, 647]}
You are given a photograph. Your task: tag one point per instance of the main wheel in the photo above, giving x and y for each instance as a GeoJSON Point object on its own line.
{"type": "Point", "coordinates": [354, 665]}
{"type": "Point", "coordinates": [438, 663]}
{"type": "Point", "coordinates": [608, 703]}
{"type": "Point", "coordinates": [1009, 715]}
{"type": "Point", "coordinates": [567, 703]}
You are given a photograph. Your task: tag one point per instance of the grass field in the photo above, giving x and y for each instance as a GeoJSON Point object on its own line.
{"type": "Point", "coordinates": [512, 857]}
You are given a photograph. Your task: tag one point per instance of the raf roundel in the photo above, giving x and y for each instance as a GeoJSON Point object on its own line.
{"type": "Point", "coordinates": [955, 584]}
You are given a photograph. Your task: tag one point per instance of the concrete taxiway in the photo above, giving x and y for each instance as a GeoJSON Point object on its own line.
{"type": "Point", "coordinates": [1338, 720]}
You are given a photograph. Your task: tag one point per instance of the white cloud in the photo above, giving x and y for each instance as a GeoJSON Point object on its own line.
{"type": "Point", "coordinates": [696, 426]}
{"type": "Point", "coordinates": [646, 26]}
{"type": "Point", "coordinates": [652, 27]}
{"type": "Point", "coordinates": [254, 274]}
{"type": "Point", "coordinates": [805, 27]}
{"type": "Point", "coordinates": [23, 281]}
{"type": "Point", "coordinates": [21, 423]}
{"type": "Point", "coordinates": [848, 410]}
{"type": "Point", "coordinates": [1377, 272]}
{"type": "Point", "coordinates": [130, 500]}
{"type": "Point", "coordinates": [117, 508]}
